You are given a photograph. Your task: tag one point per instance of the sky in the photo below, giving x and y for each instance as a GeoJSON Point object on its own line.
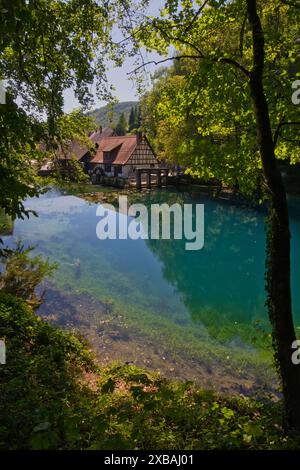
{"type": "Point", "coordinates": [125, 89]}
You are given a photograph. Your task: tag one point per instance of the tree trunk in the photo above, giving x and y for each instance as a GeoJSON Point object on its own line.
{"type": "Point", "coordinates": [278, 241]}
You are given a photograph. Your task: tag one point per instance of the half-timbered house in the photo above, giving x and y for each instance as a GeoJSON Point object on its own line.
{"type": "Point", "coordinates": [122, 156]}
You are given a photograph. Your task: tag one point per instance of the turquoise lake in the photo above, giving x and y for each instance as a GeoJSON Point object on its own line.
{"type": "Point", "coordinates": [216, 293]}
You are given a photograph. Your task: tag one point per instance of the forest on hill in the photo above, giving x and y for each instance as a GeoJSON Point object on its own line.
{"type": "Point", "coordinates": [109, 115]}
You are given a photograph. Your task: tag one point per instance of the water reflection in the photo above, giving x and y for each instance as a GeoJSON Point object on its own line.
{"type": "Point", "coordinates": [224, 282]}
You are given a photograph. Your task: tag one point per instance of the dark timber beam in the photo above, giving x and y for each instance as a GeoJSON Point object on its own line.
{"type": "Point", "coordinates": [138, 179]}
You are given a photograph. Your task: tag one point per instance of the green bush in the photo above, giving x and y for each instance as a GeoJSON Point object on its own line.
{"type": "Point", "coordinates": [23, 273]}
{"type": "Point", "coordinates": [43, 404]}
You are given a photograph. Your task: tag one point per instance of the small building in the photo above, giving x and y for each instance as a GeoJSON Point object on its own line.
{"type": "Point", "coordinates": [121, 156]}
{"type": "Point", "coordinates": [84, 154]}
{"type": "Point", "coordinates": [75, 150]}
{"type": "Point", "coordinates": [109, 155]}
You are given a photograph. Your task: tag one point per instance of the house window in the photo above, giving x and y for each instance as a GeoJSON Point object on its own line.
{"type": "Point", "coordinates": [107, 168]}
{"type": "Point", "coordinates": [117, 171]}
{"type": "Point", "coordinates": [106, 156]}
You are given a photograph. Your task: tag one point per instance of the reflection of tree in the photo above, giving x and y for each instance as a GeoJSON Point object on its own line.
{"type": "Point", "coordinates": [225, 279]}
{"type": "Point", "coordinates": [227, 275]}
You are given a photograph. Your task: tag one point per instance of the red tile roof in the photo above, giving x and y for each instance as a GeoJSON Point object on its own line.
{"type": "Point", "coordinates": [101, 134]}
{"type": "Point", "coordinates": [77, 150]}
{"type": "Point", "coordinates": [73, 149]}
{"type": "Point", "coordinates": [127, 146]}
{"type": "Point", "coordinates": [96, 137]}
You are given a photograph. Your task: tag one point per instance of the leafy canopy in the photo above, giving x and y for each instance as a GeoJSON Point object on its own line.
{"type": "Point", "coordinates": [203, 108]}
{"type": "Point", "coordinates": [46, 48]}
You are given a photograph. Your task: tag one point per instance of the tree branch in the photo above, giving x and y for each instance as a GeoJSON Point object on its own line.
{"type": "Point", "coordinates": [279, 127]}
{"type": "Point", "coordinates": [175, 39]}
{"type": "Point", "coordinates": [158, 62]}
{"type": "Point", "coordinates": [129, 17]}
{"type": "Point", "coordinates": [195, 57]}
{"type": "Point", "coordinates": [234, 63]}
{"type": "Point", "coordinates": [197, 14]}
{"type": "Point", "coordinates": [199, 55]}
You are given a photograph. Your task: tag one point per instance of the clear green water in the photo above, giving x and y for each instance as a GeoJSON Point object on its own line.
{"type": "Point", "coordinates": [218, 291]}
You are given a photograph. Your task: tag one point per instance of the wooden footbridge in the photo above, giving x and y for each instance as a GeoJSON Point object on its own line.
{"type": "Point", "coordinates": [151, 177]}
